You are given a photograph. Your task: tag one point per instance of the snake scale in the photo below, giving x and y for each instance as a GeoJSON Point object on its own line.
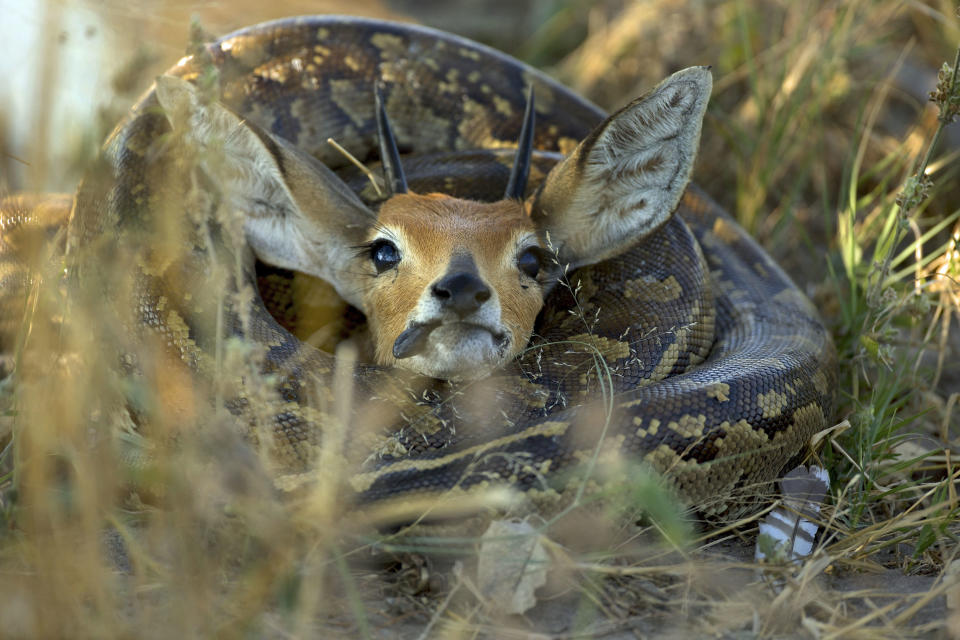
{"type": "Point", "coordinates": [693, 352]}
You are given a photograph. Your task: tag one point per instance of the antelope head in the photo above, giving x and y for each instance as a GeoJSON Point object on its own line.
{"type": "Point", "coordinates": [451, 288]}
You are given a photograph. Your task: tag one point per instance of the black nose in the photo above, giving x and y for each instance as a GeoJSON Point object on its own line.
{"type": "Point", "coordinates": [462, 293]}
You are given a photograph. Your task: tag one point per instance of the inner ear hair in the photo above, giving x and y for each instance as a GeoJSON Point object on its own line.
{"type": "Point", "coordinates": [625, 179]}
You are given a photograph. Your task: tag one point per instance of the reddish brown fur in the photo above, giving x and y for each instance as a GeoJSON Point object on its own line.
{"type": "Point", "coordinates": [429, 229]}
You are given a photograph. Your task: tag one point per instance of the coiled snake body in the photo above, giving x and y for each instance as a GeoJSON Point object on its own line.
{"type": "Point", "coordinates": [693, 352]}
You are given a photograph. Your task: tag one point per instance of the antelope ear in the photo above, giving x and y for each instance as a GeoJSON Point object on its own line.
{"type": "Point", "coordinates": [625, 179]}
{"type": "Point", "coordinates": [297, 214]}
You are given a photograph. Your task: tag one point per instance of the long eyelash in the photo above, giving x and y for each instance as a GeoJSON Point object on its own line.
{"type": "Point", "coordinates": [363, 250]}
{"type": "Point", "coordinates": [543, 255]}
{"type": "Point", "coordinates": [547, 265]}
{"type": "Point", "coordinates": [379, 226]}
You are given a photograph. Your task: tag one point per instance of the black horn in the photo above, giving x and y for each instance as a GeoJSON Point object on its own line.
{"type": "Point", "coordinates": [521, 163]}
{"type": "Point", "coordinates": [389, 156]}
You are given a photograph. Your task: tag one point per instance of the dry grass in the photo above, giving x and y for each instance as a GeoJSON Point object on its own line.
{"type": "Point", "coordinates": [818, 119]}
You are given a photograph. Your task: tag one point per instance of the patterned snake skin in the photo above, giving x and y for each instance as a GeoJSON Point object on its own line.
{"type": "Point", "coordinates": [693, 352]}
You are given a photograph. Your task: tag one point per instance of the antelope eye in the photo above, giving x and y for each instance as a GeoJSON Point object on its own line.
{"type": "Point", "coordinates": [529, 262]}
{"type": "Point", "coordinates": [384, 255]}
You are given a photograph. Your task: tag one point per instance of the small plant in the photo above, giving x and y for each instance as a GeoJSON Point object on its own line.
{"type": "Point", "coordinates": [887, 291]}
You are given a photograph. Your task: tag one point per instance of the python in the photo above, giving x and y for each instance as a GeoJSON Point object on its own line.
{"type": "Point", "coordinates": [611, 306]}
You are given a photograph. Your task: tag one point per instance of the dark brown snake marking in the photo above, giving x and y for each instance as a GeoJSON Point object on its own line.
{"type": "Point", "coordinates": [717, 369]}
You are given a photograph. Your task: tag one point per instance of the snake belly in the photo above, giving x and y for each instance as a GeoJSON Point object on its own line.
{"type": "Point", "coordinates": [693, 353]}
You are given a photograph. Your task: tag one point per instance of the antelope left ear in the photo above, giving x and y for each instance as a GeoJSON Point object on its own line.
{"type": "Point", "coordinates": [625, 179]}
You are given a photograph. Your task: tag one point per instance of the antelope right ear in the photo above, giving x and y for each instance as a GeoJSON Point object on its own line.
{"type": "Point", "coordinates": [625, 179]}
{"type": "Point", "coordinates": [297, 213]}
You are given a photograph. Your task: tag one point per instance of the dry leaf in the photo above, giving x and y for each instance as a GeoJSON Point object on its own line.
{"type": "Point", "coordinates": [512, 564]}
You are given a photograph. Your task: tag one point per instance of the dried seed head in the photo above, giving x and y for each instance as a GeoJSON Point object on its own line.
{"type": "Point", "coordinates": [914, 192]}
{"type": "Point", "coordinates": [947, 94]}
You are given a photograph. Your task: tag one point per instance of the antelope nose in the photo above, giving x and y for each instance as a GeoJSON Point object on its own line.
{"type": "Point", "coordinates": [462, 293]}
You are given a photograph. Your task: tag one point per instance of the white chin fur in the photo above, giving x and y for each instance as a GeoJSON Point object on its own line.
{"type": "Point", "coordinates": [457, 352]}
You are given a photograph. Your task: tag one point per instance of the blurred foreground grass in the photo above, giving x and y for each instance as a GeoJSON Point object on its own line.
{"type": "Point", "coordinates": [819, 117]}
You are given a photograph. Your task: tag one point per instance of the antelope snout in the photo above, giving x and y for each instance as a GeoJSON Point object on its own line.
{"type": "Point", "coordinates": [462, 293]}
